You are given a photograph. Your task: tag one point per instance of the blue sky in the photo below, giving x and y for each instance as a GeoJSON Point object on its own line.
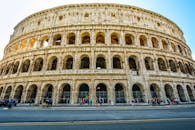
{"type": "Point", "coordinates": [179, 11]}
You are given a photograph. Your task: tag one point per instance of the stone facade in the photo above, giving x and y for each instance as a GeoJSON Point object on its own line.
{"type": "Point", "coordinates": [117, 52]}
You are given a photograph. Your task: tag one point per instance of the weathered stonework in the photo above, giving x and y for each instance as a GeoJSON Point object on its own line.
{"type": "Point", "coordinates": [118, 52]}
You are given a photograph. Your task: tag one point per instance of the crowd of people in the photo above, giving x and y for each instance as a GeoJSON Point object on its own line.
{"type": "Point", "coordinates": [8, 103]}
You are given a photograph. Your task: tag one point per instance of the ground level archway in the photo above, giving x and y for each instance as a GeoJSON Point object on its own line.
{"type": "Point", "coordinates": [64, 94]}
{"type": "Point", "coordinates": [101, 93]}
{"type": "Point", "coordinates": [181, 93]}
{"type": "Point", "coordinates": [138, 93]}
{"type": "Point", "coordinates": [119, 93]}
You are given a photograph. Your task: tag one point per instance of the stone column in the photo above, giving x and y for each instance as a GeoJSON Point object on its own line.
{"type": "Point", "coordinates": [122, 39]}
{"type": "Point", "coordinates": [111, 93]}
{"type": "Point", "coordinates": [74, 94]}
{"type": "Point", "coordinates": [55, 94]}
{"type": "Point", "coordinates": [147, 92]}
{"type": "Point", "coordinates": [93, 59]}
{"type": "Point", "coordinates": [107, 38]}
{"type": "Point", "coordinates": [149, 42]}
{"type": "Point", "coordinates": [24, 93]}
{"type": "Point", "coordinates": [78, 38]}
{"type": "Point", "coordinates": [76, 61]}
{"type": "Point", "coordinates": [32, 62]}
{"type": "Point", "coordinates": [28, 45]}
{"type": "Point", "coordinates": [169, 46]}
{"type": "Point", "coordinates": [50, 42]}
{"type": "Point", "coordinates": [20, 66]}
{"type": "Point", "coordinates": [39, 93]}
{"type": "Point", "coordinates": [137, 42]}
{"type": "Point", "coordinates": [109, 60]}
{"type": "Point", "coordinates": [93, 92]}
{"type": "Point", "coordinates": [39, 39]}
{"type": "Point", "coordinates": [175, 92]}
{"type": "Point", "coordinates": [186, 93]}
{"type": "Point", "coordinates": [60, 63]}
{"type": "Point", "coordinates": [162, 92]}
{"type": "Point", "coordinates": [12, 91]}
{"type": "Point", "coordinates": [92, 38]}
{"type": "Point", "coordinates": [45, 59]}
{"type": "Point", "coordinates": [64, 39]}
{"type": "Point", "coordinates": [160, 44]}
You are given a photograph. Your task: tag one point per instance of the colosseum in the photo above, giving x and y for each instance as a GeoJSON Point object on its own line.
{"type": "Point", "coordinates": [113, 51]}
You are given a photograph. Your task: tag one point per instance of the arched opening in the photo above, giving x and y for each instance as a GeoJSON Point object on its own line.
{"type": "Point", "coordinates": [100, 63]}
{"type": "Point", "coordinates": [83, 94]}
{"type": "Point", "coordinates": [133, 63]}
{"type": "Point", "coordinates": [31, 94]}
{"type": "Point", "coordinates": [57, 40]}
{"type": "Point", "coordinates": [71, 38]}
{"type": "Point", "coordinates": [44, 41]}
{"type": "Point", "coordinates": [15, 68]}
{"type": "Point", "coordinates": [33, 43]}
{"type": "Point", "coordinates": [154, 42]}
{"type": "Point", "coordinates": [101, 93]}
{"type": "Point", "coordinates": [173, 47]}
{"type": "Point", "coordinates": [181, 67]}
{"type": "Point", "coordinates": [155, 91]}
{"type": "Point", "coordinates": [52, 65]}
{"type": "Point", "coordinates": [188, 70]}
{"type": "Point", "coordinates": [1, 90]}
{"type": "Point", "coordinates": [143, 40]}
{"type": "Point", "coordinates": [190, 93]}
{"type": "Point", "coordinates": [47, 92]}
{"type": "Point", "coordinates": [149, 63]}
{"type": "Point", "coordinates": [23, 45]}
{"type": "Point", "coordinates": [8, 68]}
{"type": "Point", "coordinates": [100, 38]}
{"type": "Point", "coordinates": [172, 66]}
{"type": "Point", "coordinates": [114, 38]}
{"type": "Point", "coordinates": [65, 94]}
{"type": "Point", "coordinates": [161, 64]}
{"type": "Point", "coordinates": [25, 65]}
{"type": "Point", "coordinates": [85, 63]}
{"type": "Point", "coordinates": [165, 45]}
{"type": "Point", "coordinates": [169, 92]}
{"type": "Point", "coordinates": [8, 92]}
{"type": "Point", "coordinates": [116, 62]}
{"type": "Point", "coordinates": [129, 39]}
{"type": "Point", "coordinates": [18, 93]}
{"type": "Point", "coordinates": [138, 93]}
{"type": "Point", "coordinates": [85, 38]}
{"type": "Point", "coordinates": [68, 62]}
{"type": "Point", "coordinates": [119, 93]}
{"type": "Point", "coordinates": [180, 50]}
{"type": "Point", "coordinates": [181, 93]}
{"type": "Point", "coordinates": [38, 64]}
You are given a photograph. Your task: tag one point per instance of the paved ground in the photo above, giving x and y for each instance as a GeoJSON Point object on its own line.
{"type": "Point", "coordinates": [106, 117]}
{"type": "Point", "coordinates": [137, 125]}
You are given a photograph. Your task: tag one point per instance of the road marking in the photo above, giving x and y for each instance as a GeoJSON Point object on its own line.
{"type": "Point", "coordinates": [92, 122]}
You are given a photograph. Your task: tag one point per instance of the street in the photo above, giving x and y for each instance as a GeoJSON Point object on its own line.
{"type": "Point", "coordinates": [99, 118]}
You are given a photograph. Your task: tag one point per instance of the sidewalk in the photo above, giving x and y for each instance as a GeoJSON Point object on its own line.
{"type": "Point", "coordinates": [98, 107]}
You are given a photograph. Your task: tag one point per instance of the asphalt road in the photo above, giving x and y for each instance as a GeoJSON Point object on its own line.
{"type": "Point", "coordinates": [177, 118]}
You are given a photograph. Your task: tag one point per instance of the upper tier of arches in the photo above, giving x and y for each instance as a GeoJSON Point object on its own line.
{"type": "Point", "coordinates": [99, 38]}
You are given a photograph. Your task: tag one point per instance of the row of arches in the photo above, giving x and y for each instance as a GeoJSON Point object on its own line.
{"type": "Point", "coordinates": [101, 91]}
{"type": "Point", "coordinates": [101, 63]}
{"type": "Point", "coordinates": [100, 38]}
